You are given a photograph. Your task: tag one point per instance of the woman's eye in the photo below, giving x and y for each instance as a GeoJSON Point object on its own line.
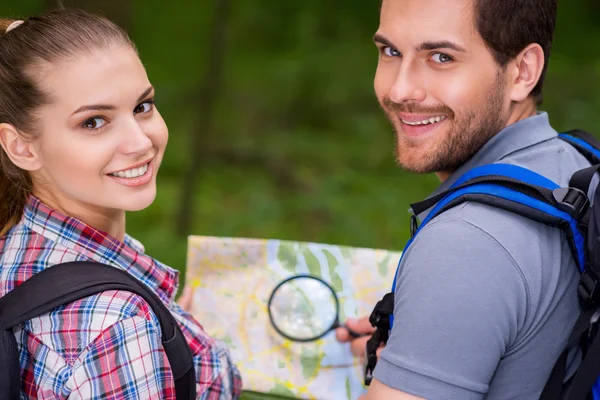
{"type": "Point", "coordinates": [94, 123]}
{"type": "Point", "coordinates": [144, 107]}
{"type": "Point", "coordinates": [390, 52]}
{"type": "Point", "coordinates": [441, 58]}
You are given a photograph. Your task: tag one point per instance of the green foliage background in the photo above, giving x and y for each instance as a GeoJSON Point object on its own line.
{"type": "Point", "coordinates": [295, 146]}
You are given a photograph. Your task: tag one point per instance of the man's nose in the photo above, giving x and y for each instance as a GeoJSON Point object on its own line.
{"type": "Point", "coordinates": [408, 85]}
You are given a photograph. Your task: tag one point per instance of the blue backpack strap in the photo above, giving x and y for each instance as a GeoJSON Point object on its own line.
{"type": "Point", "coordinates": [584, 142]}
{"type": "Point", "coordinates": [508, 187]}
{"type": "Point", "coordinates": [519, 190]}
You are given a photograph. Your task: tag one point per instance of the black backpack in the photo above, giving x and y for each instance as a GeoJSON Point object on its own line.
{"type": "Point", "coordinates": [65, 283]}
{"type": "Point", "coordinates": [524, 192]}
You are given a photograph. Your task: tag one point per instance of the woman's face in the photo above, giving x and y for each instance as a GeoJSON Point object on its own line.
{"type": "Point", "coordinates": [102, 139]}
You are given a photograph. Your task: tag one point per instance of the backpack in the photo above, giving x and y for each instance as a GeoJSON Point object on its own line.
{"type": "Point", "coordinates": [65, 283]}
{"type": "Point", "coordinates": [519, 190]}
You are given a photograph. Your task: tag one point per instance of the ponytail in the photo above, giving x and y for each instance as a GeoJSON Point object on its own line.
{"type": "Point", "coordinates": [15, 187]}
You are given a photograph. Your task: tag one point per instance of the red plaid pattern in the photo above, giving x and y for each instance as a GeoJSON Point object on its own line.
{"type": "Point", "coordinates": [105, 346]}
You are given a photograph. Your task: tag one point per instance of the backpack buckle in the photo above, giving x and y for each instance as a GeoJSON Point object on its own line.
{"type": "Point", "coordinates": [571, 200]}
{"type": "Point", "coordinates": [379, 319]}
{"type": "Point", "coordinates": [588, 288]}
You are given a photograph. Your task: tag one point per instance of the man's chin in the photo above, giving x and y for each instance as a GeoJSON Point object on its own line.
{"type": "Point", "coordinates": [413, 164]}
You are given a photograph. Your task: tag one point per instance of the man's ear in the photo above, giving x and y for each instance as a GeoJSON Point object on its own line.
{"type": "Point", "coordinates": [20, 151]}
{"type": "Point", "coordinates": [525, 71]}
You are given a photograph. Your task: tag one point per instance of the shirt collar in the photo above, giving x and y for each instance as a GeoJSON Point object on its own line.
{"type": "Point", "coordinates": [99, 246]}
{"type": "Point", "coordinates": [515, 137]}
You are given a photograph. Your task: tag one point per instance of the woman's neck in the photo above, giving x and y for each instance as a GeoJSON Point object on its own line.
{"type": "Point", "coordinates": [108, 220]}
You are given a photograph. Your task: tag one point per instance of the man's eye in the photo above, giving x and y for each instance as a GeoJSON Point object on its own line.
{"type": "Point", "coordinates": [390, 52]}
{"type": "Point", "coordinates": [144, 107]}
{"type": "Point", "coordinates": [441, 58]}
{"type": "Point", "coordinates": [94, 123]}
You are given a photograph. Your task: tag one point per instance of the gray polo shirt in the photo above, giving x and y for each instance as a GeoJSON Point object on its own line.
{"type": "Point", "coordinates": [486, 299]}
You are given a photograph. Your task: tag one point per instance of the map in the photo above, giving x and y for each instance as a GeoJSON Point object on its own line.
{"type": "Point", "coordinates": [233, 279]}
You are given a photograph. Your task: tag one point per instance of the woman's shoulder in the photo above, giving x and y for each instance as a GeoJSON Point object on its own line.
{"type": "Point", "coordinates": [24, 253]}
{"type": "Point", "coordinates": [70, 329]}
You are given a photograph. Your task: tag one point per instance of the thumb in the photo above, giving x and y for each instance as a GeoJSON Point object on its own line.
{"type": "Point", "coordinates": [186, 299]}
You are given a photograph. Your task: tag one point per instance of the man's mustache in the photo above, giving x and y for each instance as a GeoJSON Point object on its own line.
{"type": "Point", "coordinates": [416, 108]}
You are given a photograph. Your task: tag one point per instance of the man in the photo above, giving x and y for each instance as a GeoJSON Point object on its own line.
{"type": "Point", "coordinates": [485, 299]}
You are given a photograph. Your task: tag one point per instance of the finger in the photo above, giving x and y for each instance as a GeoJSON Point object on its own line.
{"type": "Point", "coordinates": [361, 325]}
{"type": "Point", "coordinates": [186, 299]}
{"type": "Point", "coordinates": [342, 335]}
{"type": "Point", "coordinates": [379, 351]}
{"type": "Point", "coordinates": [359, 346]}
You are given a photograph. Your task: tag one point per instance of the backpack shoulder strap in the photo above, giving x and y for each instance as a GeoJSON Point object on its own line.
{"type": "Point", "coordinates": [584, 142]}
{"type": "Point", "coordinates": [519, 190]}
{"type": "Point", "coordinates": [509, 187]}
{"type": "Point", "coordinates": [527, 193]}
{"type": "Point", "coordinates": [65, 283]}
{"type": "Point", "coordinates": [514, 189]}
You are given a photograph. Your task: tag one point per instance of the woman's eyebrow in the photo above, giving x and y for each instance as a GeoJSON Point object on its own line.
{"type": "Point", "coordinates": [104, 107]}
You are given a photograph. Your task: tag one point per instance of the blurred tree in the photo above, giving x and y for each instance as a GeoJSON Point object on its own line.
{"type": "Point", "coordinates": [205, 101]}
{"type": "Point", "coordinates": [274, 129]}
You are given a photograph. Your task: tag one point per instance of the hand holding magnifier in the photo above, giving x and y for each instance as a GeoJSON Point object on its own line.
{"type": "Point", "coordinates": [305, 308]}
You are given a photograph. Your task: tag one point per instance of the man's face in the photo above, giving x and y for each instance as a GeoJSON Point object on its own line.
{"type": "Point", "coordinates": [438, 83]}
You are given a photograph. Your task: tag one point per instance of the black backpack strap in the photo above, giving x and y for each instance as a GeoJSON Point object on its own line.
{"type": "Point", "coordinates": [582, 179]}
{"type": "Point", "coordinates": [540, 193]}
{"type": "Point", "coordinates": [65, 283]}
{"type": "Point", "coordinates": [554, 386]}
{"type": "Point", "coordinates": [584, 142]}
{"type": "Point", "coordinates": [379, 319]}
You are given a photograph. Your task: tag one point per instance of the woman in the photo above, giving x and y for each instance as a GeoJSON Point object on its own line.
{"type": "Point", "coordinates": [82, 143]}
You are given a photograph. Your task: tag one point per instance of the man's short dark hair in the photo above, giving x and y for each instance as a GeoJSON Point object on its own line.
{"type": "Point", "coordinates": [508, 26]}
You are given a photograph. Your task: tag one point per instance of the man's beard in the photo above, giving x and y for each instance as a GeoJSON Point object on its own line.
{"type": "Point", "coordinates": [468, 132]}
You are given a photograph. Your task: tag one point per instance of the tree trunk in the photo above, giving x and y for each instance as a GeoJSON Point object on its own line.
{"type": "Point", "coordinates": [206, 101]}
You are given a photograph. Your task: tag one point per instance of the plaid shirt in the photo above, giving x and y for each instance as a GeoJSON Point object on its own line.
{"type": "Point", "coordinates": [106, 346]}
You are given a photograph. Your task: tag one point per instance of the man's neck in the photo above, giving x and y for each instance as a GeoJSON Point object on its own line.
{"type": "Point", "coordinates": [519, 112]}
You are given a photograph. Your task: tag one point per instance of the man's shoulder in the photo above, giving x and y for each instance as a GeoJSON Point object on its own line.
{"type": "Point", "coordinates": [474, 227]}
{"type": "Point", "coordinates": [473, 223]}
{"type": "Point", "coordinates": [555, 159]}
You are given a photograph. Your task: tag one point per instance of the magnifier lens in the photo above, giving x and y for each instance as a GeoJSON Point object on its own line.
{"type": "Point", "coordinates": [303, 308]}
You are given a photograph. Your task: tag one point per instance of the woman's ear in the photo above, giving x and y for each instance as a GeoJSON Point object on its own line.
{"type": "Point", "coordinates": [525, 72]}
{"type": "Point", "coordinates": [20, 151]}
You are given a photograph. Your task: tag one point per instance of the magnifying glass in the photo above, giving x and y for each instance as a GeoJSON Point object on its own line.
{"type": "Point", "coordinates": [304, 308]}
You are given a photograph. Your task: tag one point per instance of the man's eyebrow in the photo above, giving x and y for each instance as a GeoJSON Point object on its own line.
{"type": "Point", "coordinates": [378, 38]}
{"type": "Point", "coordinates": [442, 44]}
{"type": "Point", "coordinates": [105, 107]}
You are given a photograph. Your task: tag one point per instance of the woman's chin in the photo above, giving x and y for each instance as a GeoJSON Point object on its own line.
{"type": "Point", "coordinates": [139, 202]}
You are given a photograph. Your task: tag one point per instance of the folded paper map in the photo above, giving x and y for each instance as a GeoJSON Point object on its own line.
{"type": "Point", "coordinates": [233, 279]}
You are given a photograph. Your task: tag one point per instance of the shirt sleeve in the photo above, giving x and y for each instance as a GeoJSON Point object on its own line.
{"type": "Point", "coordinates": [217, 376]}
{"type": "Point", "coordinates": [459, 301]}
{"type": "Point", "coordinates": [126, 361]}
